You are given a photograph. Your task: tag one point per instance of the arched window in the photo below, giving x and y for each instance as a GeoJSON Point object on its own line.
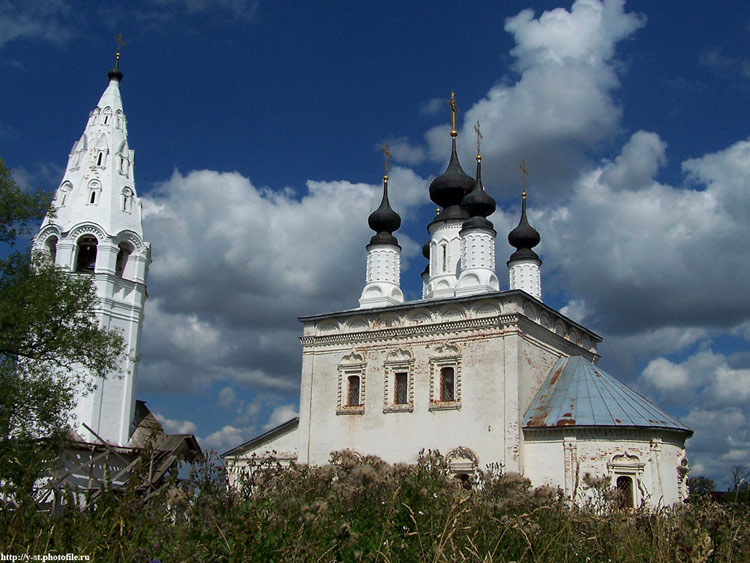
{"type": "Point", "coordinates": [444, 248]}
{"type": "Point", "coordinates": [95, 189]}
{"type": "Point", "coordinates": [127, 200]}
{"type": "Point", "coordinates": [64, 193]}
{"type": "Point", "coordinates": [51, 248]}
{"type": "Point", "coordinates": [122, 258]}
{"type": "Point", "coordinates": [106, 115]}
{"type": "Point", "coordinates": [86, 259]}
{"type": "Point", "coordinates": [118, 119]}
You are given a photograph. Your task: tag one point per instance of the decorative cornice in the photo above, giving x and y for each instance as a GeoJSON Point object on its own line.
{"type": "Point", "coordinates": [498, 321]}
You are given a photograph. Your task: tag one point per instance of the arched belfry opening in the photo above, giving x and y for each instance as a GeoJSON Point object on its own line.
{"type": "Point", "coordinates": [51, 247]}
{"type": "Point", "coordinates": [123, 254]}
{"type": "Point", "coordinates": [86, 256]}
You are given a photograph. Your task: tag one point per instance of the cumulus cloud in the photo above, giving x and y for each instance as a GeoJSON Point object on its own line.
{"type": "Point", "coordinates": [223, 439]}
{"type": "Point", "coordinates": [560, 105]}
{"type": "Point", "coordinates": [280, 415]}
{"type": "Point", "coordinates": [173, 426]}
{"type": "Point", "coordinates": [235, 264]}
{"type": "Point", "coordinates": [661, 247]}
{"type": "Point", "coordinates": [717, 398]}
{"type": "Point", "coordinates": [637, 164]}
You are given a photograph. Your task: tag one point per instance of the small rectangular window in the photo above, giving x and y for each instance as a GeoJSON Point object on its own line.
{"type": "Point", "coordinates": [447, 385]}
{"type": "Point", "coordinates": [401, 388]}
{"type": "Point", "coordinates": [353, 391]}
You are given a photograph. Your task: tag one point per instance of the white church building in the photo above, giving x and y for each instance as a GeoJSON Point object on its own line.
{"type": "Point", "coordinates": [484, 375]}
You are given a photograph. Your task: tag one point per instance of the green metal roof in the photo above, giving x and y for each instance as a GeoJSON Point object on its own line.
{"type": "Point", "coordinates": [577, 393]}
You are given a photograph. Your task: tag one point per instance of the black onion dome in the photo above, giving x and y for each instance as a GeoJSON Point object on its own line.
{"type": "Point", "coordinates": [524, 237]}
{"type": "Point", "coordinates": [478, 202]}
{"type": "Point", "coordinates": [384, 220]}
{"type": "Point", "coordinates": [115, 73]}
{"type": "Point", "coordinates": [452, 185]}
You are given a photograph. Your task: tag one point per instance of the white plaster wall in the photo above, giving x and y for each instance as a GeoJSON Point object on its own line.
{"type": "Point", "coordinates": [606, 452]}
{"type": "Point", "coordinates": [501, 367]}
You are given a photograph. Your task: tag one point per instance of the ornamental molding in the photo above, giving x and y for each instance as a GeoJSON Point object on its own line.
{"type": "Point", "coordinates": [50, 230]}
{"type": "Point", "coordinates": [131, 237]}
{"type": "Point", "coordinates": [499, 321]}
{"type": "Point", "coordinates": [78, 232]}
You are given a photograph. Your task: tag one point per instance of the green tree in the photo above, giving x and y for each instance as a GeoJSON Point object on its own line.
{"type": "Point", "coordinates": [48, 331]}
{"type": "Point", "coordinates": [700, 486]}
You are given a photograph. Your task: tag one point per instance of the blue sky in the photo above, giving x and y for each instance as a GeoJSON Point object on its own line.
{"type": "Point", "coordinates": [256, 127]}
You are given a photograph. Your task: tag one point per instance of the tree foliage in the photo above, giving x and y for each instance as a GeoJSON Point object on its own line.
{"type": "Point", "coordinates": [48, 330]}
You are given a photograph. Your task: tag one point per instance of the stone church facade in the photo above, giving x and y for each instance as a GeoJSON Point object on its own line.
{"type": "Point", "coordinates": [484, 376]}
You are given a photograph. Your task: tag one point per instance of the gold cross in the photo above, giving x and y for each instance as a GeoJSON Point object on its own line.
{"type": "Point", "coordinates": [120, 43]}
{"type": "Point", "coordinates": [387, 154]}
{"type": "Point", "coordinates": [454, 109]}
{"type": "Point", "coordinates": [524, 173]}
{"type": "Point", "coordinates": [479, 137]}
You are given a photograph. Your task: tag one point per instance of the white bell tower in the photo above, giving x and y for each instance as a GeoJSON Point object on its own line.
{"type": "Point", "coordinates": [96, 231]}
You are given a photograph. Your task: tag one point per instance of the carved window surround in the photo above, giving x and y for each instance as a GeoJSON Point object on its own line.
{"type": "Point", "coordinates": [446, 356]}
{"type": "Point", "coordinates": [352, 364]}
{"type": "Point", "coordinates": [398, 361]}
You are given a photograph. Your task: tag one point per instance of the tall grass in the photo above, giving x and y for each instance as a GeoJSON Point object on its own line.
{"type": "Point", "coordinates": [364, 509]}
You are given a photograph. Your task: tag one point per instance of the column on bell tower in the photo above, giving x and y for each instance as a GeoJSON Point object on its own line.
{"type": "Point", "coordinates": [383, 277]}
{"type": "Point", "coordinates": [96, 231]}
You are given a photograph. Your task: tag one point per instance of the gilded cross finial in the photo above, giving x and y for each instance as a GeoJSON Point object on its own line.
{"type": "Point", "coordinates": [120, 45]}
{"type": "Point", "coordinates": [388, 155]}
{"type": "Point", "coordinates": [524, 173]}
{"type": "Point", "coordinates": [454, 109]}
{"type": "Point", "coordinates": [479, 139]}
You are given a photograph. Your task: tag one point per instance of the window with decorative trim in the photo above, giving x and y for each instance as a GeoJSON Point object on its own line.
{"type": "Point", "coordinates": [351, 385]}
{"type": "Point", "coordinates": [626, 473]}
{"type": "Point", "coordinates": [445, 378]}
{"type": "Point", "coordinates": [398, 391]}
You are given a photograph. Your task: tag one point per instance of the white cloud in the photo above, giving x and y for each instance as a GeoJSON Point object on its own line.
{"type": "Point", "coordinates": [637, 164]}
{"type": "Point", "coordinates": [173, 426]}
{"type": "Point", "coordinates": [405, 152]}
{"type": "Point", "coordinates": [717, 397]}
{"type": "Point", "coordinates": [650, 257]}
{"type": "Point", "coordinates": [224, 439]}
{"type": "Point", "coordinates": [35, 19]}
{"type": "Point", "coordinates": [235, 264]}
{"type": "Point", "coordinates": [576, 309]}
{"type": "Point", "coordinates": [280, 415]}
{"type": "Point", "coordinates": [561, 106]}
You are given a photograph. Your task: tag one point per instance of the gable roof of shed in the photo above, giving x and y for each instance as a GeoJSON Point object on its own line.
{"type": "Point", "coordinates": [577, 393]}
